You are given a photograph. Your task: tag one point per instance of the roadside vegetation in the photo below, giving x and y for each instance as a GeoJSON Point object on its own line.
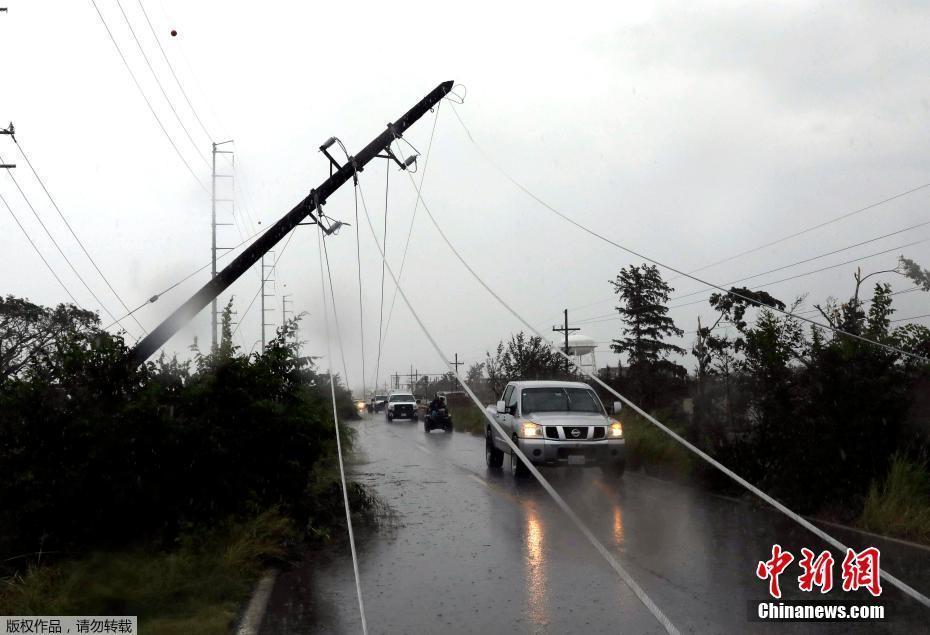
{"type": "Point", "coordinates": [832, 426]}
{"type": "Point", "coordinates": [162, 490]}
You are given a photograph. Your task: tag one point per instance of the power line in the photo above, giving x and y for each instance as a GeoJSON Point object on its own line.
{"type": "Point", "coordinates": [31, 242]}
{"type": "Point", "coordinates": [663, 265]}
{"type": "Point", "coordinates": [58, 247]}
{"type": "Point", "coordinates": [910, 591]}
{"type": "Point", "coordinates": [70, 229]}
{"type": "Point", "coordinates": [147, 102]}
{"type": "Point", "coordinates": [913, 317]}
{"type": "Point", "coordinates": [171, 68]}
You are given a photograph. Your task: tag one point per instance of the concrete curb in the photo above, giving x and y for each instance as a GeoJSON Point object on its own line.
{"type": "Point", "coordinates": [255, 611]}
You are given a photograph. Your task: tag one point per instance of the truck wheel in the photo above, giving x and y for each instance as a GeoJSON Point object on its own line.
{"type": "Point", "coordinates": [493, 456]}
{"type": "Point", "coordinates": [517, 467]}
{"type": "Point", "coordinates": [425, 425]}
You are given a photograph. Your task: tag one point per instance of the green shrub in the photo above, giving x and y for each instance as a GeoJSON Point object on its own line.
{"type": "Point", "coordinates": [900, 506]}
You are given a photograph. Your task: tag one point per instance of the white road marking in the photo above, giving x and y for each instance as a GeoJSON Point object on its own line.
{"type": "Point", "coordinates": [480, 480]}
{"type": "Point", "coordinates": [255, 611]}
{"type": "Point", "coordinates": [423, 448]}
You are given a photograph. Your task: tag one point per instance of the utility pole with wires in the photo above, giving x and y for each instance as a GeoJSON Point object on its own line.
{"type": "Point", "coordinates": [214, 320]}
{"type": "Point", "coordinates": [566, 330]}
{"type": "Point", "coordinates": [285, 298]}
{"type": "Point", "coordinates": [266, 277]}
{"type": "Point", "coordinates": [456, 364]}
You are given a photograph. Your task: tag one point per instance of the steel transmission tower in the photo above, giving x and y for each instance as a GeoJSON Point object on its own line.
{"type": "Point", "coordinates": [214, 321]}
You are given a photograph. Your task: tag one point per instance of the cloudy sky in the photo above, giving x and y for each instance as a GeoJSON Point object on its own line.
{"type": "Point", "coordinates": [689, 132]}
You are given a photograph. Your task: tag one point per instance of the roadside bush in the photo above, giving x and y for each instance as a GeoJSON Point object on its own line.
{"type": "Point", "coordinates": [99, 453]}
{"type": "Point", "coordinates": [900, 506]}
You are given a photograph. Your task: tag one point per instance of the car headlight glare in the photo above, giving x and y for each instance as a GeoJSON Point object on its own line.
{"type": "Point", "coordinates": [616, 430]}
{"type": "Point", "coordinates": [530, 429]}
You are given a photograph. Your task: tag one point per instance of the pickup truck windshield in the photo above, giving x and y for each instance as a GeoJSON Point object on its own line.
{"type": "Point", "coordinates": [558, 399]}
{"type": "Point", "coordinates": [402, 398]}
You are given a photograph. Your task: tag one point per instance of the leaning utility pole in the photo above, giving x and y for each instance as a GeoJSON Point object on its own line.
{"type": "Point", "coordinates": [310, 206]}
{"type": "Point", "coordinates": [564, 329]}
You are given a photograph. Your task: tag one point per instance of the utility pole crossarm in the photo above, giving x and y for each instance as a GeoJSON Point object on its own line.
{"type": "Point", "coordinates": [307, 207]}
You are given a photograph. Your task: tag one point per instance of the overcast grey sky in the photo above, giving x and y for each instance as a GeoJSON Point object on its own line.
{"type": "Point", "coordinates": [688, 131]}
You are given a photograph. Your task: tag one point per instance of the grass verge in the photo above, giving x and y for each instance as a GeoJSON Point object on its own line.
{"type": "Point", "coordinates": [195, 587]}
{"type": "Point", "coordinates": [900, 506]}
{"type": "Point", "coordinates": [646, 445]}
{"type": "Point", "coordinates": [469, 419]}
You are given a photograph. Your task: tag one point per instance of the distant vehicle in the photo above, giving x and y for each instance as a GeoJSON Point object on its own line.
{"type": "Point", "coordinates": [439, 417]}
{"type": "Point", "coordinates": [378, 402]}
{"type": "Point", "coordinates": [401, 405]}
{"type": "Point", "coordinates": [555, 423]}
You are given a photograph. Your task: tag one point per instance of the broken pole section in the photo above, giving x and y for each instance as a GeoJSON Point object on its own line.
{"type": "Point", "coordinates": [307, 207]}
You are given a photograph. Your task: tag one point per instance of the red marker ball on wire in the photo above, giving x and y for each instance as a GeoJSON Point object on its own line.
{"type": "Point", "coordinates": [174, 33]}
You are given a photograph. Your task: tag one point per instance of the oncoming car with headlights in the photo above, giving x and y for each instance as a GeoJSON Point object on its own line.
{"type": "Point", "coordinates": [555, 423]}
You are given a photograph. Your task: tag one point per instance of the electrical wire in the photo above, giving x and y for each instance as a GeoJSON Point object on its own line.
{"type": "Point", "coordinates": [913, 317]}
{"type": "Point", "coordinates": [147, 102]}
{"type": "Point", "coordinates": [171, 68]}
{"type": "Point", "coordinates": [361, 316]}
{"type": "Point", "coordinates": [57, 246]}
{"type": "Point", "coordinates": [342, 473]}
{"type": "Point", "coordinates": [794, 264]}
{"type": "Point", "coordinates": [515, 450]}
{"type": "Point", "coordinates": [171, 287]}
{"type": "Point", "coordinates": [31, 242]}
{"type": "Point", "coordinates": [160, 87]}
{"type": "Point", "coordinates": [22, 153]}
{"type": "Point", "coordinates": [329, 274]}
{"type": "Point", "coordinates": [387, 183]}
{"type": "Point", "coordinates": [908, 590]}
{"type": "Point", "coordinates": [413, 218]}
{"type": "Point", "coordinates": [658, 263]}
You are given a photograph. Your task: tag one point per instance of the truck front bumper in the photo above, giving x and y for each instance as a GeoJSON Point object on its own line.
{"type": "Point", "coordinates": [560, 452]}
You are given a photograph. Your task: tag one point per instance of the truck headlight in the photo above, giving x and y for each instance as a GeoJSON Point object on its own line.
{"type": "Point", "coordinates": [616, 430]}
{"type": "Point", "coordinates": [530, 429]}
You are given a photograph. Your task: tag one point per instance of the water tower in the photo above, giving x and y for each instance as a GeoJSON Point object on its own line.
{"type": "Point", "coordinates": [581, 349]}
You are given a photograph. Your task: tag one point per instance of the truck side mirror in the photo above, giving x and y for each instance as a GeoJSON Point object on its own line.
{"type": "Point", "coordinates": [501, 407]}
{"type": "Point", "coordinates": [618, 405]}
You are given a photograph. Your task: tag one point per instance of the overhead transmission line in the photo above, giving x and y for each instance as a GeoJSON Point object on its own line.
{"type": "Point", "coordinates": [171, 68]}
{"type": "Point", "coordinates": [171, 287]}
{"type": "Point", "coordinates": [898, 583]}
{"type": "Point", "coordinates": [658, 263]}
{"type": "Point", "coordinates": [58, 247]}
{"type": "Point", "coordinates": [61, 215]}
{"type": "Point", "coordinates": [147, 101]}
{"type": "Point", "coordinates": [160, 87]}
{"type": "Point", "coordinates": [596, 318]}
{"type": "Point", "coordinates": [31, 242]}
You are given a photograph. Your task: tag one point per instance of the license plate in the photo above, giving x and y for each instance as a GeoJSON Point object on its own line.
{"type": "Point", "coordinates": [576, 459]}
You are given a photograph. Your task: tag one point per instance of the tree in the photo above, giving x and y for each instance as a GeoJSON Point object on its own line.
{"type": "Point", "coordinates": [643, 295]}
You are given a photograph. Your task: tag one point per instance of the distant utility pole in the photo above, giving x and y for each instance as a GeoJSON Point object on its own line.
{"type": "Point", "coordinates": [266, 278]}
{"type": "Point", "coordinates": [10, 131]}
{"type": "Point", "coordinates": [564, 329]}
{"type": "Point", "coordinates": [457, 363]}
{"type": "Point", "coordinates": [284, 310]}
{"type": "Point", "coordinates": [214, 321]}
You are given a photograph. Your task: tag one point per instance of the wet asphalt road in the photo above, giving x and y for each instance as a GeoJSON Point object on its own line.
{"type": "Point", "coordinates": [473, 551]}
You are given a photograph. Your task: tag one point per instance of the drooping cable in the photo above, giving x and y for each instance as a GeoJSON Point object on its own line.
{"type": "Point", "coordinates": [174, 285]}
{"type": "Point", "coordinates": [515, 450]}
{"type": "Point", "coordinates": [342, 473]}
{"type": "Point", "coordinates": [174, 111]}
{"type": "Point", "coordinates": [387, 184]}
{"type": "Point", "coordinates": [76, 238]}
{"type": "Point", "coordinates": [332, 295]}
{"type": "Point", "coordinates": [413, 217]}
{"type": "Point", "coordinates": [35, 247]}
{"type": "Point", "coordinates": [147, 102]}
{"type": "Point", "coordinates": [700, 453]}
{"type": "Point", "coordinates": [361, 315]}
{"type": "Point", "coordinates": [658, 263]}
{"type": "Point", "coordinates": [171, 68]}
{"type": "Point", "coordinates": [57, 246]}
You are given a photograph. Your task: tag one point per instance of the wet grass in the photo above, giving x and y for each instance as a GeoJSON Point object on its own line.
{"type": "Point", "coordinates": [469, 419]}
{"type": "Point", "coordinates": [900, 506]}
{"type": "Point", "coordinates": [195, 587]}
{"type": "Point", "coordinates": [647, 446]}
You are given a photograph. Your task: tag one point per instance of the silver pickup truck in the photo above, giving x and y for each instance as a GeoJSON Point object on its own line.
{"type": "Point", "coordinates": [554, 423]}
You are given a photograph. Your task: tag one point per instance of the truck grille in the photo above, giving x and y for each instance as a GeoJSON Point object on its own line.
{"type": "Point", "coordinates": [569, 431]}
{"type": "Point", "coordinates": [598, 433]}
